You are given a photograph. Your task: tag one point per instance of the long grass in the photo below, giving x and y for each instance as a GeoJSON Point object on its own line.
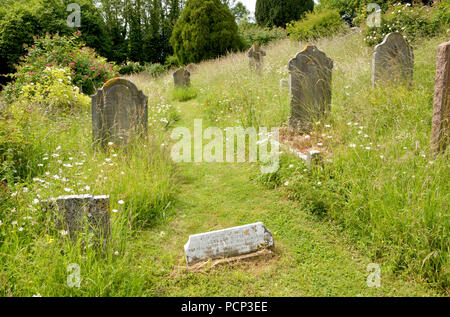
{"type": "Point", "coordinates": [380, 184]}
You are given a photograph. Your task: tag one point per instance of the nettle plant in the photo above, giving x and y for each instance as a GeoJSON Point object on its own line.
{"type": "Point", "coordinates": [88, 70]}
{"type": "Point", "coordinates": [412, 21]}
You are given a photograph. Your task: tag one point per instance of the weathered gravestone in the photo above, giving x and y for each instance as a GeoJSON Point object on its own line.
{"type": "Point", "coordinates": [393, 61]}
{"type": "Point", "coordinates": [255, 55]}
{"type": "Point", "coordinates": [119, 112]}
{"type": "Point", "coordinates": [441, 108]}
{"type": "Point", "coordinates": [77, 213]}
{"type": "Point", "coordinates": [310, 80]}
{"type": "Point", "coordinates": [182, 77]}
{"type": "Point", "coordinates": [191, 68]}
{"type": "Point", "coordinates": [284, 83]}
{"type": "Point", "coordinates": [228, 242]}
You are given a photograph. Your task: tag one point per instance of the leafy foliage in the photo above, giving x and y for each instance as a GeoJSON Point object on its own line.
{"type": "Point", "coordinates": [317, 24]}
{"type": "Point", "coordinates": [251, 33]}
{"type": "Point", "coordinates": [412, 21]}
{"type": "Point", "coordinates": [205, 30]}
{"type": "Point", "coordinates": [88, 70]}
{"type": "Point", "coordinates": [280, 12]}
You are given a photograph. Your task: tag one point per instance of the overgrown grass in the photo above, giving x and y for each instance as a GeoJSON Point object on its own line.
{"type": "Point", "coordinates": [139, 180]}
{"type": "Point", "coordinates": [382, 187]}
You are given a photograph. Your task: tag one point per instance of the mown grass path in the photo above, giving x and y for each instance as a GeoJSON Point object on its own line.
{"type": "Point", "coordinates": [311, 257]}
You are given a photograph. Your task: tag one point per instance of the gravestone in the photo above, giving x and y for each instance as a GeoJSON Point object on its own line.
{"type": "Point", "coordinates": [310, 87]}
{"type": "Point", "coordinates": [441, 107]}
{"type": "Point", "coordinates": [255, 55]}
{"type": "Point", "coordinates": [284, 83]}
{"type": "Point", "coordinates": [119, 112]}
{"type": "Point", "coordinates": [191, 68]}
{"type": "Point", "coordinates": [393, 61]}
{"type": "Point", "coordinates": [228, 242]}
{"type": "Point", "coordinates": [182, 77]}
{"type": "Point", "coordinates": [79, 212]}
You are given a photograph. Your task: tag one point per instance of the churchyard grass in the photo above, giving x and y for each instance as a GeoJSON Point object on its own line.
{"type": "Point", "coordinates": [381, 199]}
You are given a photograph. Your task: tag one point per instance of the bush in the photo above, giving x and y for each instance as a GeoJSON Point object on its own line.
{"type": "Point", "coordinates": [280, 12]}
{"type": "Point", "coordinates": [21, 20]}
{"type": "Point", "coordinates": [155, 70]}
{"type": "Point", "coordinates": [317, 24]}
{"type": "Point", "coordinates": [412, 21]}
{"type": "Point", "coordinates": [171, 62]}
{"type": "Point", "coordinates": [129, 68]}
{"type": "Point", "coordinates": [205, 30]}
{"type": "Point", "coordinates": [251, 33]}
{"type": "Point", "coordinates": [53, 92]}
{"type": "Point", "coordinates": [88, 70]}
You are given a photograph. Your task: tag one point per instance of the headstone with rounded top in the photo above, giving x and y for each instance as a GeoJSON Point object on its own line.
{"type": "Point", "coordinates": [119, 112]}
{"type": "Point", "coordinates": [393, 61]}
{"type": "Point", "coordinates": [310, 87]}
{"type": "Point", "coordinates": [182, 77]}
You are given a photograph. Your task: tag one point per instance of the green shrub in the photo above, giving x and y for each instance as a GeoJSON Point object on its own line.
{"type": "Point", "coordinates": [155, 70]}
{"type": "Point", "coordinates": [412, 21]}
{"type": "Point", "coordinates": [88, 70]}
{"type": "Point", "coordinates": [317, 24]}
{"type": "Point", "coordinates": [54, 91]}
{"type": "Point", "coordinates": [280, 12]}
{"type": "Point", "coordinates": [129, 68]}
{"type": "Point", "coordinates": [251, 33]}
{"type": "Point", "coordinates": [205, 30]}
{"type": "Point", "coordinates": [171, 62]}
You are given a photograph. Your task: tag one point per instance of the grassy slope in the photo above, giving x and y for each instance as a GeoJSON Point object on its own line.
{"type": "Point", "coordinates": [312, 258]}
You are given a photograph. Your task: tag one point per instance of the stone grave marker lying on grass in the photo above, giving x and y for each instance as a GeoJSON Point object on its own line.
{"type": "Point", "coordinates": [78, 213]}
{"type": "Point", "coordinates": [393, 61]}
{"type": "Point", "coordinates": [256, 55]}
{"type": "Point", "coordinates": [228, 242]}
{"type": "Point", "coordinates": [182, 77]}
{"type": "Point", "coordinates": [119, 112]}
{"type": "Point", "coordinates": [441, 108]}
{"type": "Point", "coordinates": [310, 80]}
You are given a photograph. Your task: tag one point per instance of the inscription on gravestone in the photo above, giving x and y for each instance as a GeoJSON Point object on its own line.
{"type": "Point", "coordinates": [228, 242]}
{"type": "Point", "coordinates": [310, 87]}
{"type": "Point", "coordinates": [393, 61]}
{"type": "Point", "coordinates": [119, 112]}
{"type": "Point", "coordinates": [441, 108]}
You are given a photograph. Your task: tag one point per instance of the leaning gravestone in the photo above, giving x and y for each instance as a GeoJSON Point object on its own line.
{"type": "Point", "coordinates": [441, 109]}
{"type": "Point", "coordinates": [79, 212]}
{"type": "Point", "coordinates": [310, 87]}
{"type": "Point", "coordinates": [228, 242]}
{"type": "Point", "coordinates": [119, 112]}
{"type": "Point", "coordinates": [255, 55]}
{"type": "Point", "coordinates": [182, 77]}
{"type": "Point", "coordinates": [393, 61]}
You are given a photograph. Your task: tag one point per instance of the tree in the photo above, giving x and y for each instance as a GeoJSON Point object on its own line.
{"type": "Point", "coordinates": [206, 29]}
{"type": "Point", "coordinates": [280, 12]}
{"type": "Point", "coordinates": [238, 9]}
